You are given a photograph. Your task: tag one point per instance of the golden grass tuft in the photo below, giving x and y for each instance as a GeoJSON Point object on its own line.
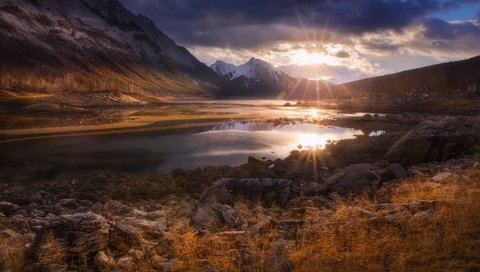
{"type": "Point", "coordinates": [356, 237]}
{"type": "Point", "coordinates": [51, 251]}
{"type": "Point", "coordinates": [12, 253]}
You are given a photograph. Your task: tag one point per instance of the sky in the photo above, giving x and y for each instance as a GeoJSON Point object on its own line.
{"type": "Point", "coordinates": [334, 40]}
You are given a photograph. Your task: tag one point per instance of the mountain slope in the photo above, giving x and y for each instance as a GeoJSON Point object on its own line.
{"type": "Point", "coordinates": [258, 78]}
{"type": "Point", "coordinates": [445, 79]}
{"type": "Point", "coordinates": [61, 48]}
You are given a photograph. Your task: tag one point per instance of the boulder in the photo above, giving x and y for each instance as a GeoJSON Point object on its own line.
{"type": "Point", "coordinates": [267, 189]}
{"type": "Point", "coordinates": [124, 235]}
{"type": "Point", "coordinates": [393, 171]}
{"type": "Point", "coordinates": [353, 178]}
{"type": "Point", "coordinates": [436, 141]}
{"type": "Point", "coordinates": [104, 262]}
{"type": "Point", "coordinates": [85, 232]}
{"type": "Point", "coordinates": [422, 217]}
{"type": "Point", "coordinates": [8, 208]}
{"type": "Point", "coordinates": [445, 177]}
{"type": "Point", "coordinates": [212, 214]}
{"type": "Point", "coordinates": [81, 234]}
{"type": "Point", "coordinates": [125, 264]}
{"type": "Point", "coordinates": [258, 168]}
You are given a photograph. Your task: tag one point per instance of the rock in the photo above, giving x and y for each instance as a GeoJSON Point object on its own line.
{"type": "Point", "coordinates": [258, 168]}
{"type": "Point", "coordinates": [125, 264]}
{"type": "Point", "coordinates": [274, 263]}
{"type": "Point", "coordinates": [280, 167]}
{"type": "Point", "coordinates": [445, 177]}
{"type": "Point", "coordinates": [288, 227]}
{"type": "Point", "coordinates": [104, 262]}
{"type": "Point", "coordinates": [422, 217]}
{"type": "Point", "coordinates": [267, 189]}
{"type": "Point", "coordinates": [124, 235]}
{"type": "Point", "coordinates": [396, 218]}
{"type": "Point", "coordinates": [136, 254]}
{"type": "Point", "coordinates": [36, 213]}
{"type": "Point", "coordinates": [53, 209]}
{"type": "Point", "coordinates": [154, 226]}
{"type": "Point", "coordinates": [68, 203]}
{"type": "Point", "coordinates": [8, 234]}
{"type": "Point", "coordinates": [57, 268]}
{"type": "Point", "coordinates": [8, 208]}
{"type": "Point", "coordinates": [367, 116]}
{"type": "Point", "coordinates": [207, 269]}
{"type": "Point", "coordinates": [436, 141]}
{"type": "Point", "coordinates": [159, 263]}
{"type": "Point", "coordinates": [353, 178]}
{"type": "Point", "coordinates": [86, 232]}
{"type": "Point", "coordinates": [86, 222]}
{"type": "Point", "coordinates": [393, 171]}
{"type": "Point", "coordinates": [114, 207]}
{"type": "Point", "coordinates": [212, 214]}
{"type": "Point", "coordinates": [264, 223]}
{"type": "Point", "coordinates": [81, 234]}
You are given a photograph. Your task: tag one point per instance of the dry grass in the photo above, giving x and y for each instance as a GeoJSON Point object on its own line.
{"type": "Point", "coordinates": [139, 80]}
{"type": "Point", "coordinates": [12, 253]}
{"type": "Point", "coordinates": [194, 251]}
{"type": "Point", "coordinates": [416, 225]}
{"type": "Point", "coordinates": [358, 237]}
{"type": "Point", "coordinates": [51, 251]}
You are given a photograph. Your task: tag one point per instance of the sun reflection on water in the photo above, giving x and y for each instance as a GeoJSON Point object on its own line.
{"type": "Point", "coordinates": [311, 140]}
{"type": "Point", "coordinates": [314, 113]}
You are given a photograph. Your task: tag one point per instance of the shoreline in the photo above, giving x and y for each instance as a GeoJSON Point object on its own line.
{"type": "Point", "coordinates": [144, 122]}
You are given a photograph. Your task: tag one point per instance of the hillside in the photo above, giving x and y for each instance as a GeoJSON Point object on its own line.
{"type": "Point", "coordinates": [441, 80]}
{"type": "Point", "coordinates": [60, 50]}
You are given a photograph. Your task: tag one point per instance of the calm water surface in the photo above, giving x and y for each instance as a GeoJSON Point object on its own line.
{"type": "Point", "coordinates": [226, 143]}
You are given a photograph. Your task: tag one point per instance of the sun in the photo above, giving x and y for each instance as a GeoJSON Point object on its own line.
{"type": "Point", "coordinates": [303, 57]}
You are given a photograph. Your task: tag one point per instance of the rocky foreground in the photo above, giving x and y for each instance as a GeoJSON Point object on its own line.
{"type": "Point", "coordinates": [393, 202]}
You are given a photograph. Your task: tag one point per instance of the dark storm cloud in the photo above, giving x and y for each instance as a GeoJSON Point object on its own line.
{"type": "Point", "coordinates": [451, 5]}
{"type": "Point", "coordinates": [250, 23]}
{"type": "Point", "coordinates": [381, 45]}
{"type": "Point", "coordinates": [437, 29]}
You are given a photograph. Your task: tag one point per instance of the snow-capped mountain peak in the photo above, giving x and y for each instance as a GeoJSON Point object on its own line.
{"type": "Point", "coordinates": [257, 77]}
{"type": "Point", "coordinates": [250, 69]}
{"type": "Point", "coordinates": [225, 69]}
{"type": "Point", "coordinates": [254, 75]}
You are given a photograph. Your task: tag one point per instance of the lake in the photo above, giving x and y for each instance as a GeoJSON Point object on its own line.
{"type": "Point", "coordinates": [211, 142]}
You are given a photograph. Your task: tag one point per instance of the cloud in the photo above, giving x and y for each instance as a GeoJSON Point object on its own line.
{"type": "Point", "coordinates": [342, 54]}
{"type": "Point", "coordinates": [345, 39]}
{"type": "Point", "coordinates": [235, 23]}
{"type": "Point", "coordinates": [333, 74]}
{"type": "Point", "coordinates": [381, 45]}
{"type": "Point", "coordinates": [437, 29]}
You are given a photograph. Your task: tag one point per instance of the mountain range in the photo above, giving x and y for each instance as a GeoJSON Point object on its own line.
{"type": "Point", "coordinates": [96, 52]}
{"type": "Point", "coordinates": [258, 78]}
